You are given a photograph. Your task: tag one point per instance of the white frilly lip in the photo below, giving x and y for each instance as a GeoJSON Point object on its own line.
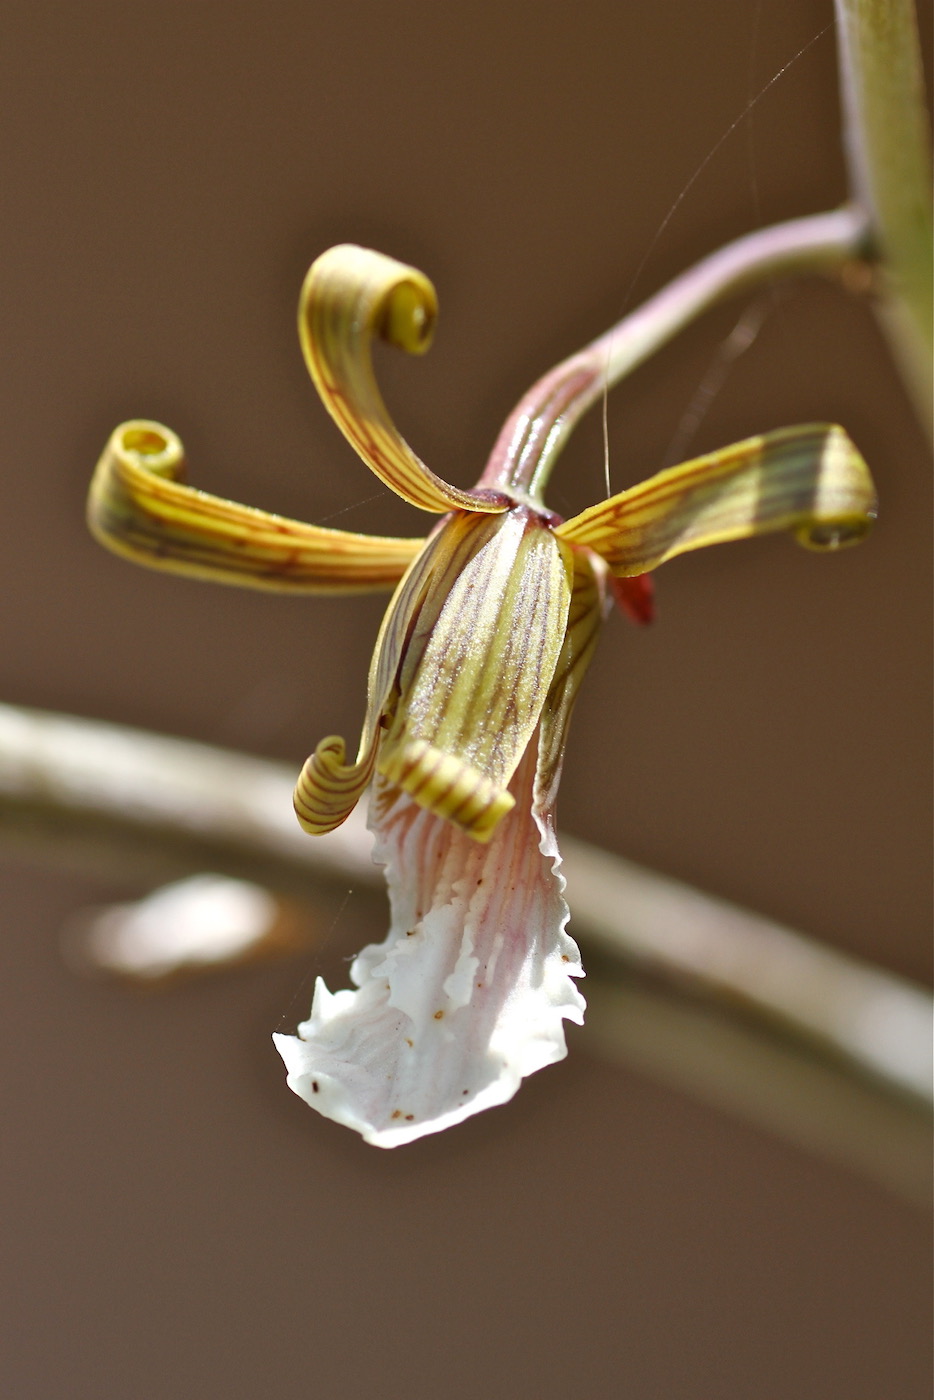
{"type": "Point", "coordinates": [468, 992]}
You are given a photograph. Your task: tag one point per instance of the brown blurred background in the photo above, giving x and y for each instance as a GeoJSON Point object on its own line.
{"type": "Point", "coordinates": [179, 1224]}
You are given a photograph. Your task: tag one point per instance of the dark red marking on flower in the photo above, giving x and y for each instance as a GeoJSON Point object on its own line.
{"type": "Point", "coordinates": [635, 597]}
{"type": "Point", "coordinates": [314, 1086]}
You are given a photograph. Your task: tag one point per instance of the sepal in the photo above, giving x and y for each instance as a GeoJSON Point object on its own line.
{"type": "Point", "coordinates": [350, 296]}
{"type": "Point", "coordinates": [478, 664]}
{"type": "Point", "coordinates": [139, 507]}
{"type": "Point", "coordinates": [809, 480]}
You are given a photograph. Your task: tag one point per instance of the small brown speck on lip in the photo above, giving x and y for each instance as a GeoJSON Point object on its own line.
{"type": "Point", "coordinates": [314, 1086]}
{"type": "Point", "coordinates": [439, 1015]}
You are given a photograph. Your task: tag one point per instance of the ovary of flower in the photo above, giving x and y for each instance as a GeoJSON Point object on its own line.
{"type": "Point", "coordinates": [478, 661]}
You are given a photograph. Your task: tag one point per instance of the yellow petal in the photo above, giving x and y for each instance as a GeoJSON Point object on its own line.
{"type": "Point", "coordinates": [349, 296]}
{"type": "Point", "coordinates": [585, 617]}
{"type": "Point", "coordinates": [478, 666]}
{"type": "Point", "coordinates": [138, 508]}
{"type": "Point", "coordinates": [328, 787]}
{"type": "Point", "coordinates": [809, 479]}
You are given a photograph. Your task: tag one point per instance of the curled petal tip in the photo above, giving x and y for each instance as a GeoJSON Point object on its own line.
{"type": "Point", "coordinates": [408, 317]}
{"type": "Point", "coordinates": [835, 534]}
{"type": "Point", "coordinates": [844, 506]}
{"type": "Point", "coordinates": [328, 787]}
{"type": "Point", "coordinates": [150, 445]}
{"type": "Point", "coordinates": [448, 786]}
{"type": "Point", "coordinates": [400, 301]}
{"type": "Point", "coordinates": [137, 450]}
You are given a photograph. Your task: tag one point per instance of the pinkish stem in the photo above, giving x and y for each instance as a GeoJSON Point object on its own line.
{"type": "Point", "coordinates": [543, 419]}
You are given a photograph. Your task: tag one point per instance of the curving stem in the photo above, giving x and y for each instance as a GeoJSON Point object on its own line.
{"type": "Point", "coordinates": [543, 419]}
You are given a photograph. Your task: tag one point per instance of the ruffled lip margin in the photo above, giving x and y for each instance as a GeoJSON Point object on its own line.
{"type": "Point", "coordinates": [469, 991]}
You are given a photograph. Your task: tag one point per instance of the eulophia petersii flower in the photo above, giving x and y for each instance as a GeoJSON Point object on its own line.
{"type": "Point", "coordinates": [478, 661]}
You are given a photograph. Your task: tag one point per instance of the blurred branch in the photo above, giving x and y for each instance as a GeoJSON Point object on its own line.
{"type": "Point", "coordinates": [876, 1022]}
{"type": "Point", "coordinates": [698, 1048]}
{"type": "Point", "coordinates": [889, 160]}
{"type": "Point", "coordinates": [126, 800]}
{"type": "Point", "coordinates": [821, 1048]}
{"type": "Point", "coordinates": [722, 1002]}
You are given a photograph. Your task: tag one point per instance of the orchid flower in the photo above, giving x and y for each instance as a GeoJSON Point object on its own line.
{"type": "Point", "coordinates": [492, 624]}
